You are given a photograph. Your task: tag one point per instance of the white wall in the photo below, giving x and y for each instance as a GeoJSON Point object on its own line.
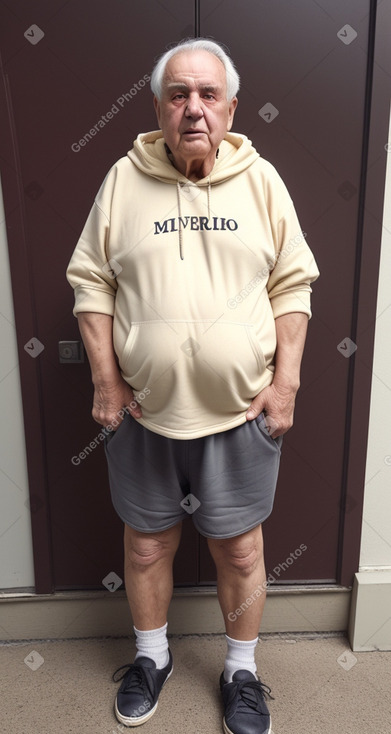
{"type": "Point", "coordinates": [376, 530]}
{"type": "Point", "coordinates": [16, 562]}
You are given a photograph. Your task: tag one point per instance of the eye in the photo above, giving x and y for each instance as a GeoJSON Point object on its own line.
{"type": "Point", "coordinates": [179, 96]}
{"type": "Point", "coordinates": [208, 96]}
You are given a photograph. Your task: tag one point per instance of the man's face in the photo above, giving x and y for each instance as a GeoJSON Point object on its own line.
{"type": "Point", "coordinates": [194, 113]}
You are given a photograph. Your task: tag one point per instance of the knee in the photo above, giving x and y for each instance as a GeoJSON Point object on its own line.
{"type": "Point", "coordinates": [145, 552]}
{"type": "Point", "coordinates": [245, 559]}
{"type": "Point", "coordinates": [142, 550]}
{"type": "Point", "coordinates": [243, 554]}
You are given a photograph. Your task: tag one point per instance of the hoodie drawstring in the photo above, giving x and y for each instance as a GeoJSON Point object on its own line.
{"type": "Point", "coordinates": [180, 234]}
{"type": "Point", "coordinates": [178, 191]}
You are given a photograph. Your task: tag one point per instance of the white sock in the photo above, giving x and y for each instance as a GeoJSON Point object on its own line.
{"type": "Point", "coordinates": [153, 644]}
{"type": "Point", "coordinates": [240, 656]}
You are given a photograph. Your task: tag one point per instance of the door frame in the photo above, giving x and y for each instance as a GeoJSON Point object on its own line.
{"type": "Point", "coordinates": [26, 329]}
{"type": "Point", "coordinates": [368, 247]}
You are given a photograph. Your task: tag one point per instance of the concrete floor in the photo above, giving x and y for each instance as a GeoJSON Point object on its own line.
{"type": "Point", "coordinates": [319, 685]}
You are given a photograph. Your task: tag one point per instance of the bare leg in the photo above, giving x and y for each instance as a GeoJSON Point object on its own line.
{"type": "Point", "coordinates": [240, 572]}
{"type": "Point", "coordinates": [148, 574]}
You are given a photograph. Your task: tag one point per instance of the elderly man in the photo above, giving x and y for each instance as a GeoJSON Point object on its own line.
{"type": "Point", "coordinates": [192, 283]}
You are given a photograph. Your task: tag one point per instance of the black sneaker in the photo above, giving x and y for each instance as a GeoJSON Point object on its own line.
{"type": "Point", "coordinates": [244, 704]}
{"type": "Point", "coordinates": [138, 694]}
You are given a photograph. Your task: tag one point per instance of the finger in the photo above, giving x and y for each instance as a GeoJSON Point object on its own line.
{"type": "Point", "coordinates": [134, 408]}
{"type": "Point", "coordinates": [255, 409]}
{"type": "Point", "coordinates": [109, 420]}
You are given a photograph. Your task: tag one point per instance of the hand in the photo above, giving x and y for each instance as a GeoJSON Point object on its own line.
{"type": "Point", "coordinates": [278, 404]}
{"type": "Point", "coordinates": [110, 402]}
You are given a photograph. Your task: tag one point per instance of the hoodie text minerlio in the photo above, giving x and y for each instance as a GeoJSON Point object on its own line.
{"type": "Point", "coordinates": [195, 223]}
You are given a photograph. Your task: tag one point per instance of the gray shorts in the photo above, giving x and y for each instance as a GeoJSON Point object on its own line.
{"type": "Point", "coordinates": [225, 481]}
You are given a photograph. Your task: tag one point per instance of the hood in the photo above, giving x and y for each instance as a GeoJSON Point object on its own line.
{"type": "Point", "coordinates": [149, 154]}
{"type": "Point", "coordinates": [236, 153]}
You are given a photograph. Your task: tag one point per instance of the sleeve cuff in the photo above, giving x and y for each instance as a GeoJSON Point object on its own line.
{"type": "Point", "coordinates": [93, 300]}
{"type": "Point", "coordinates": [299, 301]}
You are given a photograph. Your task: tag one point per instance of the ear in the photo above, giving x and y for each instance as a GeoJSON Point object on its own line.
{"type": "Point", "coordinates": [156, 105]}
{"type": "Point", "coordinates": [231, 112]}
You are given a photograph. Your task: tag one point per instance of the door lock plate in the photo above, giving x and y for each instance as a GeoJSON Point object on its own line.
{"type": "Point", "coordinates": [71, 352]}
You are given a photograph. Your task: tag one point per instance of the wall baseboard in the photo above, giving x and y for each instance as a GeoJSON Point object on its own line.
{"type": "Point", "coordinates": [370, 615]}
{"type": "Point", "coordinates": [192, 611]}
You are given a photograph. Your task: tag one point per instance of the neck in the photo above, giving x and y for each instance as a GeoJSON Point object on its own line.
{"type": "Point", "coordinates": [194, 169]}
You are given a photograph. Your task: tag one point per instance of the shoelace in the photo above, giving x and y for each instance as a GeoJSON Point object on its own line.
{"type": "Point", "coordinates": [254, 685]}
{"type": "Point", "coordinates": [133, 674]}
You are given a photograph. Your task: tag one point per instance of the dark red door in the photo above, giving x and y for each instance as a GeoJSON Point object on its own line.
{"type": "Point", "coordinates": [75, 96]}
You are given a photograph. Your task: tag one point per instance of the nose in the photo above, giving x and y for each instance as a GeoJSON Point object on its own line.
{"type": "Point", "coordinates": [193, 107]}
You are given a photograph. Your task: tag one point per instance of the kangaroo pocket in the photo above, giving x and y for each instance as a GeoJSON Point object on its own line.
{"type": "Point", "coordinates": [230, 367]}
{"type": "Point", "coordinates": [189, 369]}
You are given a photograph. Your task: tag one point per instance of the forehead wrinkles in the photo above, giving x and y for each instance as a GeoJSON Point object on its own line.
{"type": "Point", "coordinates": [189, 85]}
{"type": "Point", "coordinates": [182, 69]}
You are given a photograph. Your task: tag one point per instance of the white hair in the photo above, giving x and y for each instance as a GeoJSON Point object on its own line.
{"type": "Point", "coordinates": [196, 44]}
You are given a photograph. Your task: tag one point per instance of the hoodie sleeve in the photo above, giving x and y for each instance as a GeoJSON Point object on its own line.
{"type": "Point", "coordinates": [89, 271]}
{"type": "Point", "coordinates": [295, 267]}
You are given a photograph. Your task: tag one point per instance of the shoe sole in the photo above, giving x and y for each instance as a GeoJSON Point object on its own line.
{"type": "Point", "coordinates": [227, 730]}
{"type": "Point", "coordinates": [137, 721]}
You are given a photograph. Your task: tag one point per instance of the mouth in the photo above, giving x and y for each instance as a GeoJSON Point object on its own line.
{"type": "Point", "coordinates": [193, 132]}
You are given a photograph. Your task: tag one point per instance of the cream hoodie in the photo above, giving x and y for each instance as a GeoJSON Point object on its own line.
{"type": "Point", "coordinates": [194, 275]}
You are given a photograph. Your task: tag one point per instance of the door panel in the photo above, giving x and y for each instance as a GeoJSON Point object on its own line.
{"type": "Point", "coordinates": [92, 60]}
{"type": "Point", "coordinates": [289, 54]}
